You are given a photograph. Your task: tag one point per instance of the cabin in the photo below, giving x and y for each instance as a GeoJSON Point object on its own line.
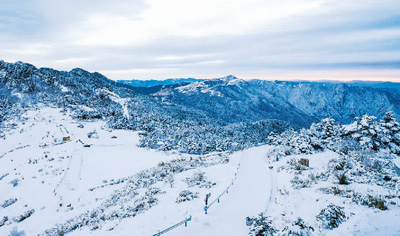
{"type": "Point", "coordinates": [304, 162]}
{"type": "Point", "coordinates": [68, 138]}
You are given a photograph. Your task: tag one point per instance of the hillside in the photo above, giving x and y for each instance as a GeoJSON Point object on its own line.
{"type": "Point", "coordinates": [152, 83]}
{"type": "Point", "coordinates": [300, 103]}
{"type": "Point", "coordinates": [198, 117]}
{"type": "Point", "coordinates": [113, 187]}
{"type": "Point", "coordinates": [83, 155]}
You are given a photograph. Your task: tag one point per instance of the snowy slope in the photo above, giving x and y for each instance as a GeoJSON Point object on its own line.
{"type": "Point", "coordinates": [92, 179]}
{"type": "Point", "coordinates": [248, 196]}
{"type": "Point", "coordinates": [62, 173]}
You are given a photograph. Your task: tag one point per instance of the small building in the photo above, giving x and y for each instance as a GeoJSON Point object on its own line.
{"type": "Point", "coordinates": [68, 138]}
{"type": "Point", "coordinates": [396, 163]}
{"type": "Point", "coordinates": [304, 162]}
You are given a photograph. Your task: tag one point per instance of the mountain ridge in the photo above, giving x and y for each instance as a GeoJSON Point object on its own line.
{"type": "Point", "coordinates": [221, 114]}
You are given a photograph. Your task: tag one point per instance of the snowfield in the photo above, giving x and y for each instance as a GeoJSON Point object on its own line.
{"type": "Point", "coordinates": [106, 185]}
{"type": "Point", "coordinates": [52, 172]}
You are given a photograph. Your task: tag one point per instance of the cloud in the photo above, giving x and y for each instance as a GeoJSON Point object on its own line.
{"type": "Point", "coordinates": [162, 39]}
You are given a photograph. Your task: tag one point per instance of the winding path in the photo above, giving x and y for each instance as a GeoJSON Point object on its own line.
{"type": "Point", "coordinates": [250, 195]}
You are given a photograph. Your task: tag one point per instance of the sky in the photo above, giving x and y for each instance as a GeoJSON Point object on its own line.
{"type": "Point", "coordinates": [159, 39]}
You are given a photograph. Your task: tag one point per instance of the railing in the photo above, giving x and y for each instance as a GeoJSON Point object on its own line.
{"type": "Point", "coordinates": [174, 226]}
{"type": "Point", "coordinates": [205, 209]}
{"type": "Point", "coordinates": [217, 199]}
{"type": "Point", "coordinates": [224, 192]}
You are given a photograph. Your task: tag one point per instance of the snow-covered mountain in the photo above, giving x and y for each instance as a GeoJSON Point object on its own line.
{"type": "Point", "coordinates": [244, 109]}
{"type": "Point", "coordinates": [300, 103]}
{"type": "Point", "coordinates": [152, 83]}
{"type": "Point", "coordinates": [166, 125]}
{"type": "Point", "coordinates": [83, 155]}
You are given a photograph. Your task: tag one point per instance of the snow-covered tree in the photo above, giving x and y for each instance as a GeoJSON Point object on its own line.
{"type": "Point", "coordinates": [331, 216]}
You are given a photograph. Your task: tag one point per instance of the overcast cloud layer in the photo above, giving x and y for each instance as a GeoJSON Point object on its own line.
{"type": "Point", "coordinates": [159, 39]}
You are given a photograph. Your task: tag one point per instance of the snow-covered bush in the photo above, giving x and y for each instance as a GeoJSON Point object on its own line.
{"type": "Point", "coordinates": [295, 165]}
{"type": "Point", "coordinates": [370, 201]}
{"type": "Point", "coordinates": [345, 146]}
{"type": "Point", "coordinates": [262, 226]}
{"type": "Point", "coordinates": [377, 202]}
{"type": "Point", "coordinates": [24, 216]}
{"type": "Point", "coordinates": [298, 182]}
{"type": "Point", "coordinates": [364, 134]}
{"type": "Point", "coordinates": [137, 196]}
{"type": "Point", "coordinates": [331, 216]}
{"type": "Point", "coordinates": [199, 179]}
{"type": "Point", "coordinates": [14, 182]}
{"type": "Point", "coordinates": [15, 232]}
{"type": "Point", "coordinates": [9, 202]}
{"type": "Point", "coordinates": [3, 221]}
{"type": "Point", "coordinates": [342, 179]}
{"type": "Point", "coordinates": [186, 195]}
{"type": "Point", "coordinates": [297, 228]}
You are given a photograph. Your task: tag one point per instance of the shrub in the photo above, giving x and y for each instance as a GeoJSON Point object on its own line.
{"type": "Point", "coordinates": [186, 195]}
{"type": "Point", "coordinates": [331, 216]}
{"type": "Point", "coordinates": [23, 217]}
{"type": "Point", "coordinates": [387, 178]}
{"type": "Point", "coordinates": [376, 202]}
{"type": "Point", "coordinates": [199, 179]}
{"type": "Point", "coordinates": [14, 182]}
{"type": "Point", "coordinates": [298, 228]}
{"type": "Point", "coordinates": [262, 226]}
{"type": "Point", "coordinates": [9, 202]}
{"type": "Point", "coordinates": [340, 166]}
{"type": "Point", "coordinates": [15, 232]}
{"type": "Point", "coordinates": [336, 191]}
{"type": "Point", "coordinates": [342, 179]}
{"type": "Point", "coordinates": [377, 165]}
{"type": "Point", "coordinates": [296, 165]}
{"type": "Point", "coordinates": [298, 183]}
{"type": "Point", "coordinates": [3, 221]}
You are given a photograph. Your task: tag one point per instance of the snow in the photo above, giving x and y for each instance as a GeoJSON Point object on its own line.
{"type": "Point", "coordinates": [397, 162]}
{"type": "Point", "coordinates": [64, 172]}
{"type": "Point", "coordinates": [75, 169]}
{"type": "Point", "coordinates": [237, 82]}
{"type": "Point", "coordinates": [64, 89]}
{"type": "Point", "coordinates": [124, 104]}
{"type": "Point", "coordinates": [192, 87]}
{"type": "Point", "coordinates": [17, 94]}
{"type": "Point", "coordinates": [247, 197]}
{"type": "Point", "coordinates": [3, 74]}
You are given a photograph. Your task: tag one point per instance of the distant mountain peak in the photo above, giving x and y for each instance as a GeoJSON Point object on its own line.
{"type": "Point", "coordinates": [228, 78]}
{"type": "Point", "coordinates": [153, 83]}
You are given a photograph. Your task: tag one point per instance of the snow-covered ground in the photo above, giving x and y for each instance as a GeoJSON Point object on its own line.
{"type": "Point", "coordinates": [52, 172]}
{"type": "Point", "coordinates": [57, 180]}
{"type": "Point", "coordinates": [248, 196]}
{"type": "Point", "coordinates": [307, 202]}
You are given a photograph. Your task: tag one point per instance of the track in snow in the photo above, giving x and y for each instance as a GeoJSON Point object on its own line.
{"type": "Point", "coordinates": [249, 196]}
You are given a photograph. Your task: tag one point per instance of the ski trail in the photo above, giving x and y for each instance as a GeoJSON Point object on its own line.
{"type": "Point", "coordinates": [249, 196]}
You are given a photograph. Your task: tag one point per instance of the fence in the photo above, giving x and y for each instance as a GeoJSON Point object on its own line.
{"type": "Point", "coordinates": [225, 191]}
{"type": "Point", "coordinates": [174, 226]}
{"type": "Point", "coordinates": [217, 199]}
{"type": "Point", "coordinates": [205, 209]}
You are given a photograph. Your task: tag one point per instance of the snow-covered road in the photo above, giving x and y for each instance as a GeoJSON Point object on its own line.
{"type": "Point", "coordinates": [248, 196]}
